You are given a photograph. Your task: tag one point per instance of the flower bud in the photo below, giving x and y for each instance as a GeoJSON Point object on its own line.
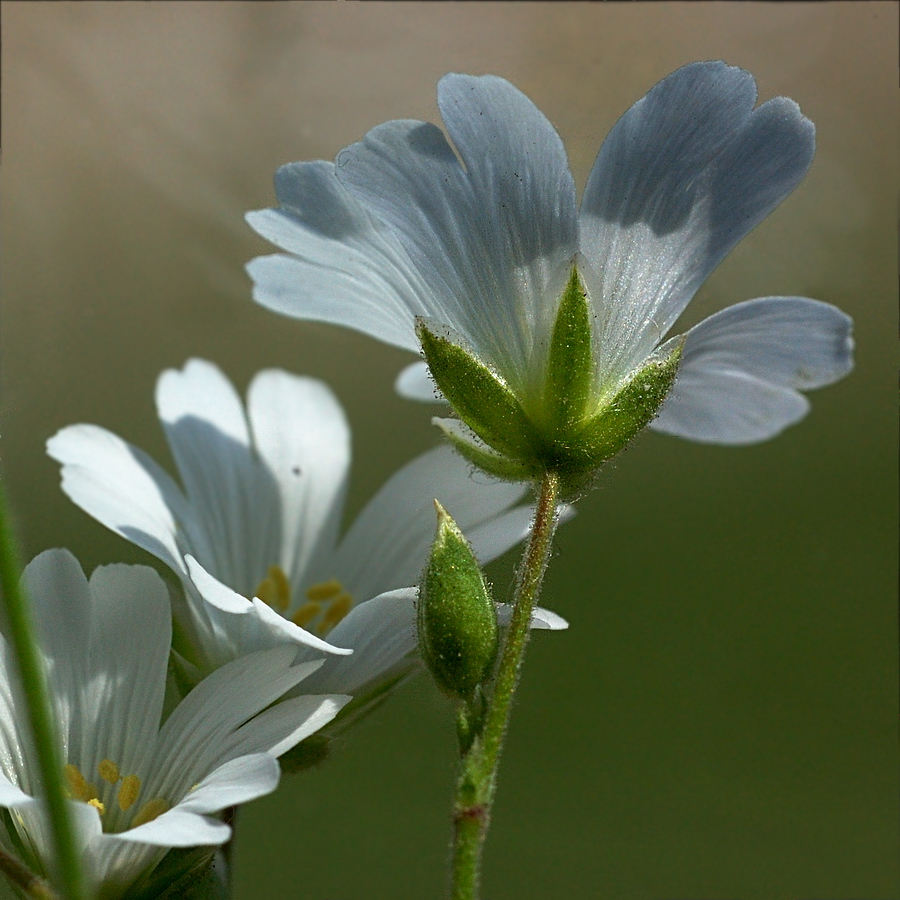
{"type": "Point", "coordinates": [457, 620]}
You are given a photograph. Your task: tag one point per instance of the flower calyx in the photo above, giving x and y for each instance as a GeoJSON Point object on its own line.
{"type": "Point", "coordinates": [573, 426]}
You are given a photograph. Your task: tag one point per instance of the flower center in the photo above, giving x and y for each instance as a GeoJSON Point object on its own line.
{"type": "Point", "coordinates": [114, 787]}
{"type": "Point", "coordinates": [327, 602]}
{"type": "Point", "coordinates": [275, 589]}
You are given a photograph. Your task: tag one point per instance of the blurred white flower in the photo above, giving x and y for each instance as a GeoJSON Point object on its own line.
{"type": "Point", "coordinates": [254, 535]}
{"type": "Point", "coordinates": [139, 786]}
{"type": "Point", "coordinates": [479, 238]}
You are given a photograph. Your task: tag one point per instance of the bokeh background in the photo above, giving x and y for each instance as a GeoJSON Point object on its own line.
{"type": "Point", "coordinates": [720, 719]}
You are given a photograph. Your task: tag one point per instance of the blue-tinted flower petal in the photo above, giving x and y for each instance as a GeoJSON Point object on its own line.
{"type": "Point", "coordinates": [415, 383]}
{"type": "Point", "coordinates": [680, 179]}
{"type": "Point", "coordinates": [345, 267]}
{"type": "Point", "coordinates": [742, 367]}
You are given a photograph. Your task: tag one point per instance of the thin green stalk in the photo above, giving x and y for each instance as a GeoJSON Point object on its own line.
{"type": "Point", "coordinates": [20, 632]}
{"type": "Point", "coordinates": [475, 794]}
{"type": "Point", "coordinates": [27, 882]}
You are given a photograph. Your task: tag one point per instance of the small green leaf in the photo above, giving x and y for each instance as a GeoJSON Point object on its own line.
{"type": "Point", "coordinates": [570, 367]}
{"type": "Point", "coordinates": [478, 396]}
{"type": "Point", "coordinates": [456, 617]}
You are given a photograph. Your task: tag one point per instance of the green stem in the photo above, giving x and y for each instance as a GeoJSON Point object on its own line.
{"type": "Point", "coordinates": [20, 875]}
{"type": "Point", "coordinates": [21, 636]}
{"type": "Point", "coordinates": [475, 794]}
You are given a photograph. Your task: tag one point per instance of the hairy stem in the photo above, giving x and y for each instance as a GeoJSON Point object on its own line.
{"type": "Point", "coordinates": [475, 794]}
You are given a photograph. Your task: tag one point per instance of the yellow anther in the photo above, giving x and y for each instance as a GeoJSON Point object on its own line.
{"type": "Point", "coordinates": [306, 614]}
{"type": "Point", "coordinates": [151, 810]}
{"type": "Point", "coordinates": [128, 791]}
{"type": "Point", "coordinates": [339, 608]}
{"type": "Point", "coordinates": [100, 807]}
{"type": "Point", "coordinates": [79, 789]}
{"type": "Point", "coordinates": [109, 771]}
{"type": "Point", "coordinates": [325, 590]}
{"type": "Point", "coordinates": [275, 589]}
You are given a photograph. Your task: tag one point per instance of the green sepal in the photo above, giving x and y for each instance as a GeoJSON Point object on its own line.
{"type": "Point", "coordinates": [570, 366]}
{"type": "Point", "coordinates": [456, 617]}
{"type": "Point", "coordinates": [478, 396]}
{"type": "Point", "coordinates": [484, 458]}
{"type": "Point", "coordinates": [629, 410]}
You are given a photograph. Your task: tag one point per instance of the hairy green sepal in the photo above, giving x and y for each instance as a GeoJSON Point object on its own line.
{"type": "Point", "coordinates": [570, 366]}
{"type": "Point", "coordinates": [571, 427]}
{"type": "Point", "coordinates": [478, 396]}
{"type": "Point", "coordinates": [486, 459]}
{"type": "Point", "coordinates": [456, 617]}
{"type": "Point", "coordinates": [633, 406]}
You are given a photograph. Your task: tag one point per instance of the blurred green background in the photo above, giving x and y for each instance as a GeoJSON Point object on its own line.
{"type": "Point", "coordinates": [720, 719]}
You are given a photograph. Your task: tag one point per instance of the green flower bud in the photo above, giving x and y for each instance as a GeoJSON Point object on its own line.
{"type": "Point", "coordinates": [457, 620]}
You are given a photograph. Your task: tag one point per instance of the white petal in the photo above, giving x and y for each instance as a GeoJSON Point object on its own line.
{"type": "Point", "coordinates": [680, 179]}
{"type": "Point", "coordinates": [233, 499]}
{"type": "Point", "coordinates": [282, 727]}
{"type": "Point", "coordinates": [791, 341]}
{"type": "Point", "coordinates": [728, 408]}
{"type": "Point", "coordinates": [415, 383]}
{"type": "Point", "coordinates": [234, 782]}
{"type": "Point", "coordinates": [195, 738]}
{"type": "Point", "coordinates": [742, 367]}
{"type": "Point", "coordinates": [186, 825]}
{"type": "Point", "coordinates": [492, 240]}
{"type": "Point", "coordinates": [122, 488]}
{"type": "Point", "coordinates": [382, 632]}
{"type": "Point", "coordinates": [234, 625]}
{"type": "Point", "coordinates": [541, 619]}
{"type": "Point", "coordinates": [387, 546]}
{"type": "Point", "coordinates": [177, 828]}
{"type": "Point", "coordinates": [61, 603]}
{"type": "Point", "coordinates": [107, 648]}
{"type": "Point", "coordinates": [302, 436]}
{"type": "Point", "coordinates": [15, 749]}
{"type": "Point", "coordinates": [346, 266]}
{"type": "Point", "coordinates": [12, 796]}
{"type": "Point", "coordinates": [131, 635]}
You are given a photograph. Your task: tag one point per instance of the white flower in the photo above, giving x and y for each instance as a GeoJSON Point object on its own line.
{"type": "Point", "coordinates": [260, 515]}
{"type": "Point", "coordinates": [482, 243]}
{"type": "Point", "coordinates": [138, 787]}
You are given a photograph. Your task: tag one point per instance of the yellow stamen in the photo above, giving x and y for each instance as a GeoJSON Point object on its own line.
{"type": "Point", "coordinates": [128, 791]}
{"type": "Point", "coordinates": [79, 789]}
{"type": "Point", "coordinates": [109, 771]}
{"type": "Point", "coordinates": [275, 589]}
{"type": "Point", "coordinates": [325, 590]}
{"type": "Point", "coordinates": [100, 807]}
{"type": "Point", "coordinates": [339, 608]}
{"type": "Point", "coordinates": [151, 810]}
{"type": "Point", "coordinates": [306, 614]}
